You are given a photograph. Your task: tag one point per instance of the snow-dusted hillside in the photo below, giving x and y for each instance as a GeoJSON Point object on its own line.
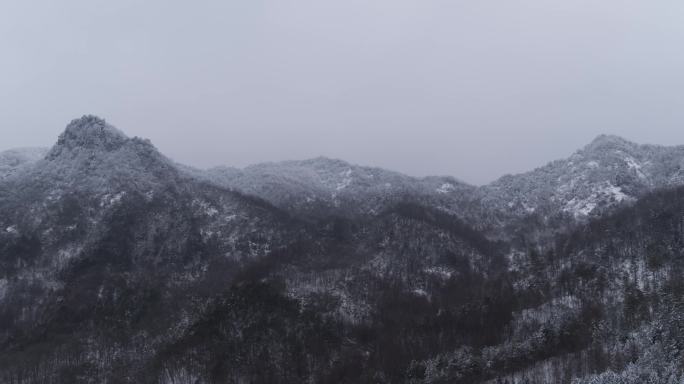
{"type": "Point", "coordinates": [119, 265]}
{"type": "Point", "coordinates": [14, 159]}
{"type": "Point", "coordinates": [325, 184]}
{"type": "Point", "coordinates": [116, 262]}
{"type": "Point", "coordinates": [608, 171]}
{"type": "Point", "coordinates": [101, 198]}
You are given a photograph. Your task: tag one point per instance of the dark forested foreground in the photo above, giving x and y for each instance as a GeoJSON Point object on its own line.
{"type": "Point", "coordinates": [119, 266]}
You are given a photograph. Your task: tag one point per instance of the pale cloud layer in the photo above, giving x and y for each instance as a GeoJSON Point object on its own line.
{"type": "Point", "coordinates": [473, 89]}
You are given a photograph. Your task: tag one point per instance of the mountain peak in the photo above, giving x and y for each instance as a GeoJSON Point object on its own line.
{"type": "Point", "coordinates": [604, 141]}
{"type": "Point", "coordinates": [91, 133]}
{"type": "Point", "coordinates": [99, 157]}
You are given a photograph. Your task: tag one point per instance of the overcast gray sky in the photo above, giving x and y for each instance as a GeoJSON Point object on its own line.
{"type": "Point", "coordinates": [473, 89]}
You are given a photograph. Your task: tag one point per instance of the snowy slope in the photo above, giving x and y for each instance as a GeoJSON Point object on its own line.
{"type": "Point", "coordinates": [327, 184]}
{"type": "Point", "coordinates": [14, 159]}
{"type": "Point", "coordinates": [149, 270]}
{"type": "Point", "coordinates": [607, 172]}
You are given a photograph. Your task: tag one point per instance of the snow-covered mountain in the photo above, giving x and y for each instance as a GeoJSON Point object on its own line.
{"type": "Point", "coordinates": [102, 212]}
{"type": "Point", "coordinates": [91, 155]}
{"type": "Point", "coordinates": [607, 172]}
{"type": "Point", "coordinates": [120, 261]}
{"type": "Point", "coordinates": [330, 185]}
{"type": "Point", "coordinates": [120, 265]}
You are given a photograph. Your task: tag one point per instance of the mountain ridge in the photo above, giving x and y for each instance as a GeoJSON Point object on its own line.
{"type": "Point", "coordinates": [607, 172]}
{"type": "Point", "coordinates": [120, 265]}
{"type": "Point", "coordinates": [91, 131]}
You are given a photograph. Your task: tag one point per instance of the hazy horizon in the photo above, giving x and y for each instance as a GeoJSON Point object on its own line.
{"type": "Point", "coordinates": [471, 90]}
{"type": "Point", "coordinates": [351, 162]}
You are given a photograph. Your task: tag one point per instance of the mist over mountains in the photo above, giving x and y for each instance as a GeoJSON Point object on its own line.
{"type": "Point", "coordinates": [119, 265]}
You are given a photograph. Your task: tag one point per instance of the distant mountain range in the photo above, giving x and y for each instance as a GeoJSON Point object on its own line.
{"type": "Point", "coordinates": [119, 265]}
{"type": "Point", "coordinates": [608, 171]}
